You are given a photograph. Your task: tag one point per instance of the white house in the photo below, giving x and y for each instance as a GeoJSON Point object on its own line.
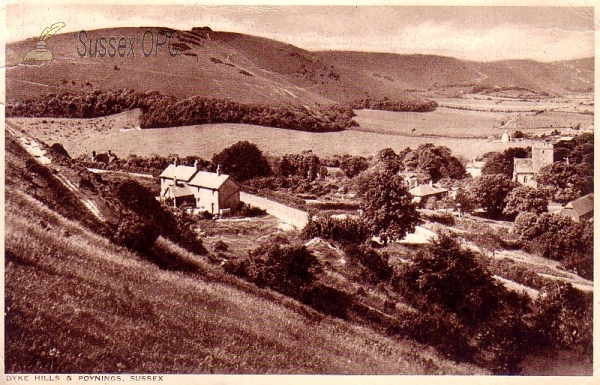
{"type": "Point", "coordinates": [215, 192]}
{"type": "Point", "coordinates": [207, 191]}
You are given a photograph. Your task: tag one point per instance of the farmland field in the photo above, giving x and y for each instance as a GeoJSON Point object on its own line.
{"type": "Point", "coordinates": [465, 132]}
{"type": "Point", "coordinates": [452, 122]}
{"type": "Point", "coordinates": [82, 136]}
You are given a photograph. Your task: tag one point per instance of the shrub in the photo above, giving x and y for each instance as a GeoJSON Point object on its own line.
{"type": "Point", "coordinates": [245, 210]}
{"type": "Point", "coordinates": [135, 233]}
{"type": "Point", "coordinates": [450, 277]}
{"type": "Point", "coordinates": [220, 246]}
{"type": "Point", "coordinates": [443, 218]}
{"type": "Point", "coordinates": [375, 262]}
{"type": "Point", "coordinates": [282, 268]}
{"type": "Point", "coordinates": [525, 224]}
{"type": "Point", "coordinates": [347, 230]}
{"type": "Point", "coordinates": [327, 299]}
{"type": "Point", "coordinates": [562, 318]}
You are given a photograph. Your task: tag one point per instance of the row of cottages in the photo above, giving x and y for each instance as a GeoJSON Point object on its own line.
{"type": "Point", "coordinates": [525, 169]}
{"type": "Point", "coordinates": [216, 193]}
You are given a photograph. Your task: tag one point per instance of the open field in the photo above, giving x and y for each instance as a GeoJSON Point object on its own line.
{"type": "Point", "coordinates": [82, 136]}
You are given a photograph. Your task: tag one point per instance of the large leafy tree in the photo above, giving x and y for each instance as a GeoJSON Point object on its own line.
{"type": "Point", "coordinates": [449, 276]}
{"type": "Point", "coordinates": [525, 199]}
{"type": "Point", "coordinates": [567, 181]}
{"type": "Point", "coordinates": [502, 162]}
{"type": "Point", "coordinates": [387, 206]}
{"type": "Point", "coordinates": [491, 191]}
{"type": "Point", "coordinates": [243, 161]}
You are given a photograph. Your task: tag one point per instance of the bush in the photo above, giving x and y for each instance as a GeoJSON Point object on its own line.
{"type": "Point", "coordinates": [562, 318]}
{"type": "Point", "coordinates": [443, 218]}
{"type": "Point", "coordinates": [245, 210]}
{"type": "Point", "coordinates": [376, 263]}
{"type": "Point", "coordinates": [447, 276]}
{"type": "Point", "coordinates": [220, 246]}
{"type": "Point", "coordinates": [282, 268]}
{"type": "Point", "coordinates": [525, 224]}
{"type": "Point", "coordinates": [135, 233]}
{"type": "Point", "coordinates": [327, 299]}
{"type": "Point", "coordinates": [348, 230]}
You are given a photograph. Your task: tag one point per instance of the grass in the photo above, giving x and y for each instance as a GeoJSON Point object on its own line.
{"type": "Point", "coordinates": [77, 303]}
{"type": "Point", "coordinates": [206, 140]}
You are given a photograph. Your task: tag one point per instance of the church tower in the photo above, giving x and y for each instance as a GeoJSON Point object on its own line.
{"type": "Point", "coordinates": [542, 154]}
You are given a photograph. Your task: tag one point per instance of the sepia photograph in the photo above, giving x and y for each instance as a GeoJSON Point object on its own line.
{"type": "Point", "coordinates": [342, 190]}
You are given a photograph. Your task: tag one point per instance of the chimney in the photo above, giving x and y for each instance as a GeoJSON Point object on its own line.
{"type": "Point", "coordinates": [93, 156]}
{"type": "Point", "coordinates": [110, 153]}
{"type": "Point", "coordinates": [196, 164]}
{"type": "Point", "coordinates": [175, 161]}
{"type": "Point", "coordinates": [175, 180]}
{"type": "Point", "coordinates": [218, 170]}
{"type": "Point", "coordinates": [430, 182]}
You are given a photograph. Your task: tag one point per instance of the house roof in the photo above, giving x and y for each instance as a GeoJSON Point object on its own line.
{"type": "Point", "coordinates": [208, 179]}
{"type": "Point", "coordinates": [184, 173]}
{"type": "Point", "coordinates": [581, 206]}
{"type": "Point", "coordinates": [178, 191]}
{"type": "Point", "coordinates": [523, 165]}
{"type": "Point", "coordinates": [426, 190]}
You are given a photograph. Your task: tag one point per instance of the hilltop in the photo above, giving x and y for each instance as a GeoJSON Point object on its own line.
{"type": "Point", "coordinates": [249, 69]}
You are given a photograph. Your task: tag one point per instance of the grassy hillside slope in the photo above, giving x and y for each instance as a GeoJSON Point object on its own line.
{"type": "Point", "coordinates": [76, 302]}
{"type": "Point", "coordinates": [424, 72]}
{"type": "Point", "coordinates": [250, 69]}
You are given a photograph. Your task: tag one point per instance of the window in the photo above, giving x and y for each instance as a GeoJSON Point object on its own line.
{"type": "Point", "coordinates": [524, 178]}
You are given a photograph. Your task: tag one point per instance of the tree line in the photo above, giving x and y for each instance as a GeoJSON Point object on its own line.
{"type": "Point", "coordinates": [407, 105]}
{"type": "Point", "coordinates": [160, 110]}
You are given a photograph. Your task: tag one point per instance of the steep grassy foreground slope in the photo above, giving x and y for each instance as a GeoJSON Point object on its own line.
{"type": "Point", "coordinates": [76, 302]}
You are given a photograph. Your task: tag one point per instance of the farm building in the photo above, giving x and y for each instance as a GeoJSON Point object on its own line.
{"type": "Point", "coordinates": [427, 194]}
{"type": "Point", "coordinates": [525, 169]}
{"type": "Point", "coordinates": [580, 209]}
{"type": "Point", "coordinates": [506, 137]}
{"type": "Point", "coordinates": [206, 191]}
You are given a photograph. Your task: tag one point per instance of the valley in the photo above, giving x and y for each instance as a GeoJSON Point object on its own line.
{"type": "Point", "coordinates": [408, 259]}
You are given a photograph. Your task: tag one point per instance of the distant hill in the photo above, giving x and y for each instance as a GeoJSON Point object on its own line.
{"type": "Point", "coordinates": [250, 69]}
{"type": "Point", "coordinates": [430, 72]}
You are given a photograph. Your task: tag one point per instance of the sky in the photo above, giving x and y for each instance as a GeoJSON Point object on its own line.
{"type": "Point", "coordinates": [471, 33]}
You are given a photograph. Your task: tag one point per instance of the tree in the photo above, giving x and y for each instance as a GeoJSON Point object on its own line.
{"type": "Point", "coordinates": [525, 199]}
{"type": "Point", "coordinates": [502, 163]}
{"type": "Point", "coordinates": [354, 165]}
{"type": "Point", "coordinates": [567, 181]}
{"type": "Point", "coordinates": [518, 135]}
{"type": "Point", "coordinates": [387, 206]}
{"type": "Point", "coordinates": [449, 276]}
{"type": "Point", "coordinates": [562, 318]}
{"type": "Point", "coordinates": [491, 191]}
{"type": "Point", "coordinates": [242, 161]}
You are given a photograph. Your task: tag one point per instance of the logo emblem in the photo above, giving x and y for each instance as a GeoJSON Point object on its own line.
{"type": "Point", "coordinates": [41, 53]}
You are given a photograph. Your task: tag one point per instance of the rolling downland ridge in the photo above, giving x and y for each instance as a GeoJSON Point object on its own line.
{"type": "Point", "coordinates": [248, 69]}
